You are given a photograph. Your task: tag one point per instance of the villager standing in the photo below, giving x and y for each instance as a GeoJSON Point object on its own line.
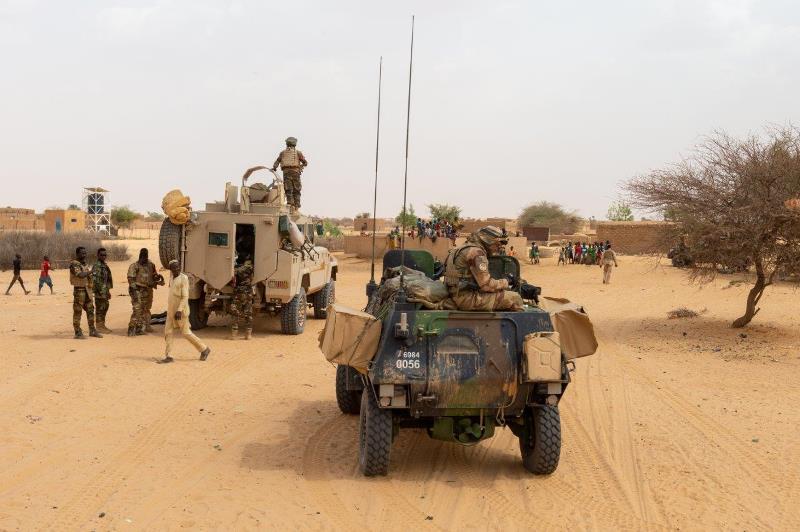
{"type": "Point", "coordinates": [44, 275]}
{"type": "Point", "coordinates": [178, 314]}
{"type": "Point", "coordinates": [609, 261]}
{"type": "Point", "coordinates": [292, 163]}
{"type": "Point", "coordinates": [102, 283]}
{"type": "Point", "coordinates": [17, 263]}
{"type": "Point", "coordinates": [80, 277]}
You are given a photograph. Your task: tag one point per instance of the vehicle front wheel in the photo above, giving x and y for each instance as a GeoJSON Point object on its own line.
{"type": "Point", "coordinates": [540, 440]}
{"type": "Point", "coordinates": [374, 436]}
{"type": "Point", "coordinates": [293, 314]}
{"type": "Point", "coordinates": [323, 298]}
{"type": "Point", "coordinates": [349, 401]}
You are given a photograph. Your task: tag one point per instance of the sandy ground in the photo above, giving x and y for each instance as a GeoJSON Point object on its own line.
{"type": "Point", "coordinates": [678, 424]}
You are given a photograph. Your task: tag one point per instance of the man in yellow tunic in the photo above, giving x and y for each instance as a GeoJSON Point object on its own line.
{"type": "Point", "coordinates": [178, 314]}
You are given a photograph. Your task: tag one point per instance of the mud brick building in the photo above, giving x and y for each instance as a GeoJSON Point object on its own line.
{"type": "Point", "coordinates": [635, 237]}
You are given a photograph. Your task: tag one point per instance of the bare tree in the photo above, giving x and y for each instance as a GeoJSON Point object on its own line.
{"type": "Point", "coordinates": [734, 201]}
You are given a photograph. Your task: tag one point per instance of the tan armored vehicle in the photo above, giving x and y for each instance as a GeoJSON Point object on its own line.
{"type": "Point", "coordinates": [254, 222]}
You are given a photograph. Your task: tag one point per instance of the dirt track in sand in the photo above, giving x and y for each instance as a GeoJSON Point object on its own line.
{"type": "Point", "coordinates": [672, 424]}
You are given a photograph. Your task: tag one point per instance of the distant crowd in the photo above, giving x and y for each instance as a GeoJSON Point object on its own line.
{"type": "Point", "coordinates": [583, 253]}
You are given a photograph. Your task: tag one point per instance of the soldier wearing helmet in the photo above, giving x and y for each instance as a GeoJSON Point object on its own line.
{"type": "Point", "coordinates": [292, 163]}
{"type": "Point", "coordinates": [467, 275]}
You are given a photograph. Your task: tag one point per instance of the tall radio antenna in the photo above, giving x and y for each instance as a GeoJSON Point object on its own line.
{"type": "Point", "coordinates": [405, 174]}
{"type": "Point", "coordinates": [371, 286]}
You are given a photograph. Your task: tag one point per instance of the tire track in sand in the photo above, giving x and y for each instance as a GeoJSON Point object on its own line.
{"type": "Point", "coordinates": [80, 508]}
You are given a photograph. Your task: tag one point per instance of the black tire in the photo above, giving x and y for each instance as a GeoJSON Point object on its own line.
{"type": "Point", "coordinates": [540, 441]}
{"type": "Point", "coordinates": [323, 298]}
{"type": "Point", "coordinates": [169, 242]}
{"type": "Point", "coordinates": [198, 318]}
{"type": "Point", "coordinates": [293, 314]}
{"type": "Point", "coordinates": [374, 436]}
{"type": "Point", "coordinates": [349, 401]}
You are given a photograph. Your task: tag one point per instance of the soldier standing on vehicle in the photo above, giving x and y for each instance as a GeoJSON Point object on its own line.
{"type": "Point", "coordinates": [102, 283]}
{"type": "Point", "coordinates": [80, 277]}
{"type": "Point", "coordinates": [242, 304]}
{"type": "Point", "coordinates": [142, 279]}
{"type": "Point", "coordinates": [292, 164]}
{"type": "Point", "coordinates": [467, 274]}
{"type": "Point", "coordinates": [17, 262]}
{"type": "Point", "coordinates": [178, 314]}
{"type": "Point", "coordinates": [609, 259]}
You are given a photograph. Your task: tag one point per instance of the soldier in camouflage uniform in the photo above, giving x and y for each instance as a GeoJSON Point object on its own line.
{"type": "Point", "coordinates": [292, 164]}
{"type": "Point", "coordinates": [242, 304]}
{"type": "Point", "coordinates": [102, 283]}
{"type": "Point", "coordinates": [80, 277]}
{"type": "Point", "coordinates": [142, 280]}
{"type": "Point", "coordinates": [467, 275]}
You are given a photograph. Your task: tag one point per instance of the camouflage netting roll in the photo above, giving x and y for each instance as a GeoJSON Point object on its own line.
{"type": "Point", "coordinates": [177, 207]}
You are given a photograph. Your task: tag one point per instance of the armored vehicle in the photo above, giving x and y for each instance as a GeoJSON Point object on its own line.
{"type": "Point", "coordinates": [458, 375]}
{"type": "Point", "coordinates": [255, 223]}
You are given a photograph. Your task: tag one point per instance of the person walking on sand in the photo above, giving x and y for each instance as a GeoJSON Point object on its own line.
{"type": "Point", "coordinates": [44, 276]}
{"type": "Point", "coordinates": [17, 262]}
{"type": "Point", "coordinates": [609, 261]}
{"type": "Point", "coordinates": [178, 314]}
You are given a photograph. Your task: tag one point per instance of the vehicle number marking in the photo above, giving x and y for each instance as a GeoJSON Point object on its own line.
{"type": "Point", "coordinates": [408, 360]}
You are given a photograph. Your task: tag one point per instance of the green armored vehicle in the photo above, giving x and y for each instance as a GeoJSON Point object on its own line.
{"type": "Point", "coordinates": [458, 375]}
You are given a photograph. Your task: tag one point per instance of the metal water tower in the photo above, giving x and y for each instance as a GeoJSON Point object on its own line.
{"type": "Point", "coordinates": [97, 207]}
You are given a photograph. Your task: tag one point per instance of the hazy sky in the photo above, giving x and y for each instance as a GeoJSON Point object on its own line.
{"type": "Point", "coordinates": [513, 102]}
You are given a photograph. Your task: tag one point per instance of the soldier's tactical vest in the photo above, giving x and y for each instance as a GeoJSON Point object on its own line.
{"type": "Point", "coordinates": [289, 158]}
{"type": "Point", "coordinates": [74, 280]}
{"type": "Point", "coordinates": [144, 274]}
{"type": "Point", "coordinates": [456, 268]}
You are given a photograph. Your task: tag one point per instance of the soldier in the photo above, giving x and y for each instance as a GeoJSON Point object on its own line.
{"type": "Point", "coordinates": [292, 164]}
{"type": "Point", "coordinates": [102, 285]}
{"type": "Point", "coordinates": [609, 258]}
{"type": "Point", "coordinates": [242, 304]}
{"type": "Point", "coordinates": [17, 262]}
{"type": "Point", "coordinates": [178, 314]}
{"type": "Point", "coordinates": [467, 274]}
{"type": "Point", "coordinates": [142, 279]}
{"type": "Point", "coordinates": [80, 277]}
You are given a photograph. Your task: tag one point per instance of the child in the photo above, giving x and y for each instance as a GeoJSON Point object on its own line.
{"type": "Point", "coordinates": [44, 276]}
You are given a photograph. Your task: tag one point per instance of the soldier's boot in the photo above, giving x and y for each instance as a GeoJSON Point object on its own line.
{"type": "Point", "coordinates": [101, 326]}
{"type": "Point", "coordinates": [148, 328]}
{"type": "Point", "coordinates": [248, 334]}
{"type": "Point", "coordinates": [234, 333]}
{"type": "Point", "coordinates": [204, 354]}
{"type": "Point", "coordinates": [131, 331]}
{"type": "Point", "coordinates": [140, 331]}
{"type": "Point", "coordinates": [93, 333]}
{"type": "Point", "coordinates": [79, 335]}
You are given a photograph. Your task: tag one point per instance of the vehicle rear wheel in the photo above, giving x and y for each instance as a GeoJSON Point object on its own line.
{"type": "Point", "coordinates": [198, 318]}
{"type": "Point", "coordinates": [169, 242]}
{"type": "Point", "coordinates": [323, 298]}
{"type": "Point", "coordinates": [374, 436]}
{"type": "Point", "coordinates": [540, 441]}
{"type": "Point", "coordinates": [349, 401]}
{"type": "Point", "coordinates": [293, 314]}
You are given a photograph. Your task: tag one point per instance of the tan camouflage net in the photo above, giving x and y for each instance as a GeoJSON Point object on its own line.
{"type": "Point", "coordinates": [177, 207]}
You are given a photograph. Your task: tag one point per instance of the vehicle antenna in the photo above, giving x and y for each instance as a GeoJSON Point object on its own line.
{"type": "Point", "coordinates": [401, 294]}
{"type": "Point", "coordinates": [371, 285]}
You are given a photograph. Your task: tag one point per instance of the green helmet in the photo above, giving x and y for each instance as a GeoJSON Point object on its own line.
{"type": "Point", "coordinates": [291, 141]}
{"type": "Point", "coordinates": [488, 236]}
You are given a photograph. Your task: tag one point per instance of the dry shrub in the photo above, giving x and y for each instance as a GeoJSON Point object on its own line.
{"type": "Point", "coordinates": [681, 312]}
{"type": "Point", "coordinates": [60, 247]}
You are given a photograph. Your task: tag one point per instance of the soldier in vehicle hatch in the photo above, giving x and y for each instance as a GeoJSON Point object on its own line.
{"type": "Point", "coordinates": [292, 164]}
{"type": "Point", "coordinates": [467, 275]}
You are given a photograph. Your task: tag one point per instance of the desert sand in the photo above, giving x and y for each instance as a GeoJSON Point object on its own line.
{"type": "Point", "coordinates": [674, 424]}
